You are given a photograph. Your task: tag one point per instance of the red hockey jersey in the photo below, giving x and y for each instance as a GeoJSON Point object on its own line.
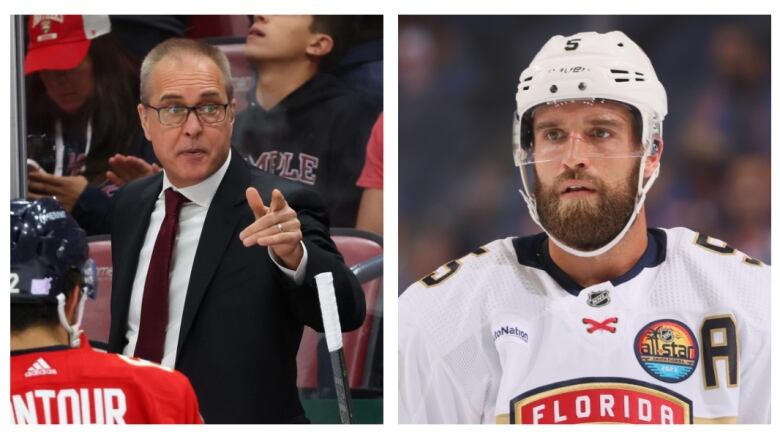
{"type": "Point", "coordinates": [59, 385]}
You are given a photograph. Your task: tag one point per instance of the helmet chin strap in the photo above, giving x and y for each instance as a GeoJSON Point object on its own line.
{"type": "Point", "coordinates": [640, 200]}
{"type": "Point", "coordinates": [74, 330]}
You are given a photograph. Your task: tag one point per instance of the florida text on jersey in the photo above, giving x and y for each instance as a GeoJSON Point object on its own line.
{"type": "Point", "coordinates": [503, 335]}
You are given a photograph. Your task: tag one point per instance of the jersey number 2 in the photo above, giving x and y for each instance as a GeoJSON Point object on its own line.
{"type": "Point", "coordinates": [14, 283]}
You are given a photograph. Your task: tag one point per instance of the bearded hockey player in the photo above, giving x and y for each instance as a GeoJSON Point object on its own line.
{"type": "Point", "coordinates": [599, 318]}
{"type": "Point", "coordinates": [56, 377]}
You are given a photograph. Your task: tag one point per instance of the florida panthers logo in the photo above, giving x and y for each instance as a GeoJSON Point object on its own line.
{"type": "Point", "coordinates": [601, 400]}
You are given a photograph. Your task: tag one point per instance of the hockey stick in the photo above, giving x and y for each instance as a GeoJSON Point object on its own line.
{"type": "Point", "coordinates": [330, 321]}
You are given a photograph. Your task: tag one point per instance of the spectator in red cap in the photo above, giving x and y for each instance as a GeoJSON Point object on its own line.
{"type": "Point", "coordinates": [81, 94]}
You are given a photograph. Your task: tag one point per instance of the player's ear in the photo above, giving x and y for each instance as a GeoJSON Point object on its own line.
{"type": "Point", "coordinates": [654, 160]}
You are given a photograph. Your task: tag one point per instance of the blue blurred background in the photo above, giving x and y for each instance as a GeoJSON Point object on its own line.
{"type": "Point", "coordinates": [458, 187]}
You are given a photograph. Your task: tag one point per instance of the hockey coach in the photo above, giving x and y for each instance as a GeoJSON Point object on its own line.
{"type": "Point", "coordinates": [214, 261]}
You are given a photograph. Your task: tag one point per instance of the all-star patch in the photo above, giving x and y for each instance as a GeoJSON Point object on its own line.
{"type": "Point", "coordinates": [667, 350]}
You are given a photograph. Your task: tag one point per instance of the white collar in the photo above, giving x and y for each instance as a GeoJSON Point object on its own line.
{"type": "Point", "coordinates": [201, 193]}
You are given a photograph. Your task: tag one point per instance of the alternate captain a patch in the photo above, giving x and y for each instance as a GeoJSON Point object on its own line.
{"type": "Point", "coordinates": [667, 350]}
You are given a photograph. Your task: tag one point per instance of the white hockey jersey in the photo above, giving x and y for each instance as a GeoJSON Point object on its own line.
{"type": "Point", "coordinates": [502, 335]}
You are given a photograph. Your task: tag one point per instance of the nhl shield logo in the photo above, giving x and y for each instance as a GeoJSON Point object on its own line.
{"type": "Point", "coordinates": [599, 298]}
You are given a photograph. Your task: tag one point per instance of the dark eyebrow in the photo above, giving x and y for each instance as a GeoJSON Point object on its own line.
{"type": "Point", "coordinates": [178, 97]}
{"type": "Point", "coordinates": [596, 121]}
{"type": "Point", "coordinates": [606, 121]}
{"type": "Point", "coordinates": [171, 97]}
{"type": "Point", "coordinates": [545, 125]}
{"type": "Point", "coordinates": [209, 94]}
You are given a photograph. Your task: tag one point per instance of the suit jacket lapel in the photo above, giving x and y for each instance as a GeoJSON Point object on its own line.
{"type": "Point", "coordinates": [218, 229]}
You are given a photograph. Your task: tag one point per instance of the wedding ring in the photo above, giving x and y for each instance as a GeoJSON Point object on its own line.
{"type": "Point", "coordinates": [280, 227]}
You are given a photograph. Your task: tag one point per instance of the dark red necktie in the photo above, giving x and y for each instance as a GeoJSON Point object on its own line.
{"type": "Point", "coordinates": [154, 310]}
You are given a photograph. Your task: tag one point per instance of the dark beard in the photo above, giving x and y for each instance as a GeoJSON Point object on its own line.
{"type": "Point", "coordinates": [587, 224]}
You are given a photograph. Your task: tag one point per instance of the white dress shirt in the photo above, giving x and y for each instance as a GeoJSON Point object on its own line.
{"type": "Point", "coordinates": [191, 219]}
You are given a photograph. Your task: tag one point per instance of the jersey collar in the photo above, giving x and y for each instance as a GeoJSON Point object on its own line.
{"type": "Point", "coordinates": [532, 251]}
{"type": "Point", "coordinates": [40, 350]}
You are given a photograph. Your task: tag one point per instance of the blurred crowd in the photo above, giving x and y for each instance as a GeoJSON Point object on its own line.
{"type": "Point", "coordinates": [458, 187]}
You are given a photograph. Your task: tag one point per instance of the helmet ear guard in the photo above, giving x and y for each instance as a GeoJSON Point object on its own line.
{"type": "Point", "coordinates": [89, 276]}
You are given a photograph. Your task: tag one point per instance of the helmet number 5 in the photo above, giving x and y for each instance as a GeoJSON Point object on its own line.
{"type": "Point", "coordinates": [14, 283]}
{"type": "Point", "coordinates": [573, 44]}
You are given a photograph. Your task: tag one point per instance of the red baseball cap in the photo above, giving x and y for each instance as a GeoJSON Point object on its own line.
{"type": "Point", "coordinates": [60, 42]}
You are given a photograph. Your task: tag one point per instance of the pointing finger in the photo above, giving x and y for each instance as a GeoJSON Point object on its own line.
{"type": "Point", "coordinates": [277, 201]}
{"type": "Point", "coordinates": [255, 202]}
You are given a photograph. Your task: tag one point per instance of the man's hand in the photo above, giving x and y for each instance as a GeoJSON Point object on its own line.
{"type": "Point", "coordinates": [66, 190]}
{"type": "Point", "coordinates": [126, 168]}
{"type": "Point", "coordinates": [276, 226]}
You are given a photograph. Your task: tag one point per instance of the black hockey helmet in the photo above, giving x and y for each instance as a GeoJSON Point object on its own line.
{"type": "Point", "coordinates": [46, 245]}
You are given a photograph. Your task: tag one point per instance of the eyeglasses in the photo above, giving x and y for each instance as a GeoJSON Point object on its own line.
{"type": "Point", "coordinates": [176, 115]}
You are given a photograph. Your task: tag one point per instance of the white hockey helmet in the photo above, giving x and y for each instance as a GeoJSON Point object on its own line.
{"type": "Point", "coordinates": [593, 67]}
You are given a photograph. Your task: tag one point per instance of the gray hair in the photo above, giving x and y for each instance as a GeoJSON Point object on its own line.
{"type": "Point", "coordinates": [178, 47]}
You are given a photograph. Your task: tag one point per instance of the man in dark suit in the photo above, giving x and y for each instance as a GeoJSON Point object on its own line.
{"type": "Point", "coordinates": [207, 278]}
